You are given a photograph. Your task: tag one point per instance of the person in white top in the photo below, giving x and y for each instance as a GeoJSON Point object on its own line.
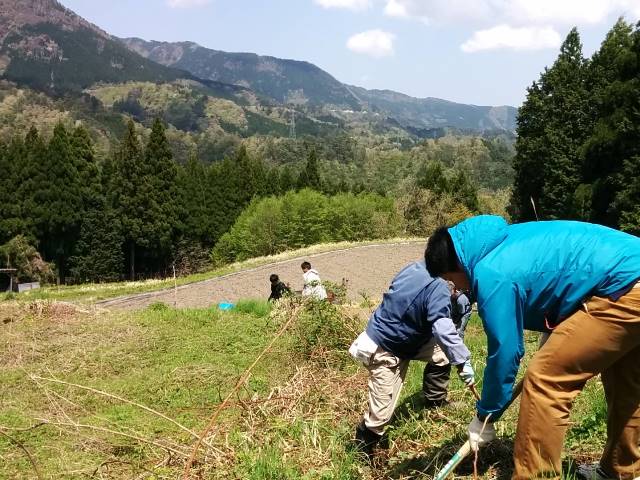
{"type": "Point", "coordinates": [312, 283]}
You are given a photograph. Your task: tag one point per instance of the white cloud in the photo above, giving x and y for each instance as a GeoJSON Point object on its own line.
{"type": "Point", "coordinates": [506, 37]}
{"type": "Point", "coordinates": [520, 12]}
{"type": "Point", "coordinates": [348, 4]}
{"type": "Point", "coordinates": [394, 8]}
{"type": "Point", "coordinates": [438, 10]}
{"type": "Point", "coordinates": [375, 43]}
{"type": "Point", "coordinates": [187, 3]}
{"type": "Point", "coordinates": [562, 11]}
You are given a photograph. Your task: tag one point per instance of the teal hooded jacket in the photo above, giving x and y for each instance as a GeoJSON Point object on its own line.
{"type": "Point", "coordinates": [532, 276]}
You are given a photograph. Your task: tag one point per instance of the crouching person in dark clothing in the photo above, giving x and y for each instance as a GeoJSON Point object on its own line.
{"type": "Point", "coordinates": [413, 322]}
{"type": "Point", "coordinates": [435, 380]}
{"type": "Point", "coordinates": [278, 288]}
{"type": "Point", "coordinates": [460, 308]}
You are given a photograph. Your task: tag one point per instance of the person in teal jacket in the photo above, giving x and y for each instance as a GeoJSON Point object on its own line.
{"type": "Point", "coordinates": [577, 280]}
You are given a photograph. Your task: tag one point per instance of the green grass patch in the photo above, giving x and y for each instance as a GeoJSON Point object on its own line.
{"type": "Point", "coordinates": [293, 419]}
{"type": "Point", "coordinates": [178, 362]}
{"type": "Point", "coordinates": [257, 308]}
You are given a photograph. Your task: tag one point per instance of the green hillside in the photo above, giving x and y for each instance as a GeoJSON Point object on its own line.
{"type": "Point", "coordinates": [285, 81]}
{"type": "Point", "coordinates": [54, 60]}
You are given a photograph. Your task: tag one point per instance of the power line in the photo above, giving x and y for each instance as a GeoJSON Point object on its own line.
{"type": "Point", "coordinates": [292, 125]}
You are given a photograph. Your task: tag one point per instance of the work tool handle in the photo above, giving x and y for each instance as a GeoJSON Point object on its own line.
{"type": "Point", "coordinates": [466, 448]}
{"type": "Point", "coordinates": [474, 390]}
{"type": "Point", "coordinates": [451, 465]}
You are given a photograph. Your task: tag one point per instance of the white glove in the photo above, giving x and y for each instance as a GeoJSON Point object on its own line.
{"type": "Point", "coordinates": [466, 373]}
{"type": "Point", "coordinates": [363, 348]}
{"type": "Point", "coordinates": [478, 435]}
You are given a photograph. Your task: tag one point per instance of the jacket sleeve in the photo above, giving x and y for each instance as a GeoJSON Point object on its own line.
{"type": "Point", "coordinates": [442, 328]}
{"type": "Point", "coordinates": [446, 336]}
{"type": "Point", "coordinates": [501, 307]}
{"type": "Point", "coordinates": [465, 307]}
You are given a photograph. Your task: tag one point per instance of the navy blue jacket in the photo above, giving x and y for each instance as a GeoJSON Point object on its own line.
{"type": "Point", "coordinates": [405, 319]}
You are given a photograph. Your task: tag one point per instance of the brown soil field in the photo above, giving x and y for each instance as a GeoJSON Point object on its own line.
{"type": "Point", "coordinates": [366, 269]}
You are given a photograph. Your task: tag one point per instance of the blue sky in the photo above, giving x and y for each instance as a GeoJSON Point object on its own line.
{"type": "Point", "coordinates": [484, 52]}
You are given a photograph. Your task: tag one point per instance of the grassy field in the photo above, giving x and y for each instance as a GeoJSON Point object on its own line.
{"type": "Point", "coordinates": [292, 419]}
{"type": "Point", "coordinates": [88, 293]}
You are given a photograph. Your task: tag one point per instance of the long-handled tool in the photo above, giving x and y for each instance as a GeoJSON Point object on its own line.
{"type": "Point", "coordinates": [465, 450]}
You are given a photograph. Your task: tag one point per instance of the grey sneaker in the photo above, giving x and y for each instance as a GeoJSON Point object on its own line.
{"type": "Point", "coordinates": [593, 472]}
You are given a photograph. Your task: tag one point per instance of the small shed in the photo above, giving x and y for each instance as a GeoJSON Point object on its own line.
{"type": "Point", "coordinates": [11, 272]}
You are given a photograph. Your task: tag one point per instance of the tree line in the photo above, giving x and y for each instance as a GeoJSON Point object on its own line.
{"type": "Point", "coordinates": [578, 146]}
{"type": "Point", "coordinates": [137, 213]}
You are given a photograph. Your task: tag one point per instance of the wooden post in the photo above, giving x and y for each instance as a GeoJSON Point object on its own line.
{"type": "Point", "coordinates": [132, 256]}
{"type": "Point", "coordinates": [10, 274]}
{"type": "Point", "coordinates": [175, 288]}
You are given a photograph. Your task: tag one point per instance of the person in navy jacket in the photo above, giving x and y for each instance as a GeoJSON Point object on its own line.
{"type": "Point", "coordinates": [413, 322]}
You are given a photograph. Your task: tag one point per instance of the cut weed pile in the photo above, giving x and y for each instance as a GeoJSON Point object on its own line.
{"type": "Point", "coordinates": [91, 394]}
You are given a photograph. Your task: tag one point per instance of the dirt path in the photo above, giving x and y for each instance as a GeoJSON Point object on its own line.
{"type": "Point", "coordinates": [367, 269]}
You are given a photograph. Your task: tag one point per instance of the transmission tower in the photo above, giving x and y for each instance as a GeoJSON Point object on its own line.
{"type": "Point", "coordinates": [292, 126]}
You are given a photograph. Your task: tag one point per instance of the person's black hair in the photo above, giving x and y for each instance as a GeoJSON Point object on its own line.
{"type": "Point", "coordinates": [274, 278]}
{"type": "Point", "coordinates": [305, 266]}
{"type": "Point", "coordinates": [440, 255]}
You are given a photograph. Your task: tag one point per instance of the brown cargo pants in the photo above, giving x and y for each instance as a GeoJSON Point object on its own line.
{"type": "Point", "coordinates": [603, 337]}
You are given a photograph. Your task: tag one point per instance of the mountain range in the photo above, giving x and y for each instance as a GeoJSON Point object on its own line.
{"type": "Point", "coordinates": [302, 83]}
{"type": "Point", "coordinates": [48, 48]}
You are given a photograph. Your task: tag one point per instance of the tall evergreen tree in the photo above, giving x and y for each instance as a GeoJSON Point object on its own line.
{"type": "Point", "coordinates": [162, 188]}
{"type": "Point", "coordinates": [287, 179]}
{"type": "Point", "coordinates": [58, 201]}
{"type": "Point", "coordinates": [612, 153]}
{"type": "Point", "coordinates": [88, 171]}
{"type": "Point", "coordinates": [199, 217]}
{"type": "Point", "coordinates": [272, 182]}
{"type": "Point", "coordinates": [552, 125]}
{"type": "Point", "coordinates": [310, 176]}
{"type": "Point", "coordinates": [98, 255]}
{"type": "Point", "coordinates": [604, 155]}
{"type": "Point", "coordinates": [233, 183]}
{"type": "Point", "coordinates": [464, 191]}
{"type": "Point", "coordinates": [10, 224]}
{"type": "Point", "coordinates": [128, 192]}
{"type": "Point", "coordinates": [20, 162]}
{"type": "Point", "coordinates": [431, 176]}
{"type": "Point", "coordinates": [33, 154]}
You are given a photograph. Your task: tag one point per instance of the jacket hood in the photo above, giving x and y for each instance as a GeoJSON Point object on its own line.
{"type": "Point", "coordinates": [311, 275]}
{"type": "Point", "coordinates": [475, 237]}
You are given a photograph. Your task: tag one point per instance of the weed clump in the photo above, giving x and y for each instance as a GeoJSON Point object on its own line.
{"type": "Point", "coordinates": [257, 308]}
{"type": "Point", "coordinates": [336, 292]}
{"type": "Point", "coordinates": [321, 331]}
{"type": "Point", "coordinates": [158, 307]}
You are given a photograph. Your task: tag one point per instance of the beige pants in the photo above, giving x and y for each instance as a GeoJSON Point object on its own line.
{"type": "Point", "coordinates": [386, 376]}
{"type": "Point", "coordinates": [601, 338]}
